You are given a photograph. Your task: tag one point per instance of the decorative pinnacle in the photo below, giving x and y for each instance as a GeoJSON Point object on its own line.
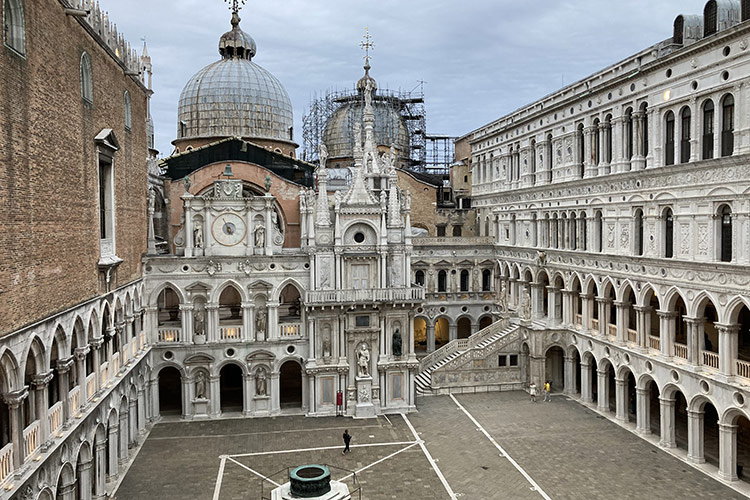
{"type": "Point", "coordinates": [235, 5]}
{"type": "Point", "coordinates": [367, 44]}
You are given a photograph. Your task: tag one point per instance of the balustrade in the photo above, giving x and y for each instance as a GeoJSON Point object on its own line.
{"type": "Point", "coordinates": [654, 343]}
{"type": "Point", "coordinates": [415, 294]}
{"type": "Point", "coordinates": [611, 330]}
{"type": "Point", "coordinates": [632, 336]}
{"type": "Point", "coordinates": [710, 359]}
{"type": "Point", "coordinates": [230, 333]}
{"type": "Point", "coordinates": [31, 438]}
{"type": "Point", "coordinates": [55, 417]}
{"type": "Point", "coordinates": [169, 334]}
{"type": "Point", "coordinates": [743, 368]}
{"type": "Point", "coordinates": [6, 461]}
{"type": "Point", "coordinates": [90, 386]}
{"type": "Point", "coordinates": [681, 350]}
{"type": "Point", "coordinates": [115, 363]}
{"type": "Point", "coordinates": [142, 340]}
{"type": "Point", "coordinates": [290, 330]}
{"type": "Point", "coordinates": [74, 400]}
{"type": "Point", "coordinates": [104, 372]}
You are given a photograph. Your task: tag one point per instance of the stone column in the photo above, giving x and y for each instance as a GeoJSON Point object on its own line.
{"type": "Point", "coordinates": [122, 435]}
{"type": "Point", "coordinates": [667, 418]}
{"type": "Point", "coordinates": [63, 383]}
{"type": "Point", "coordinates": [605, 131]}
{"type": "Point", "coordinates": [40, 385]}
{"type": "Point", "coordinates": [589, 156]}
{"type": "Point", "coordinates": [14, 400]}
{"type": "Point", "coordinates": [248, 391]}
{"type": "Point", "coordinates": [618, 153]}
{"type": "Point", "coordinates": [430, 337]}
{"type": "Point", "coordinates": [728, 452]}
{"type": "Point", "coordinates": [621, 322]}
{"type": "Point", "coordinates": [84, 479]}
{"type": "Point", "coordinates": [694, 339]}
{"type": "Point", "coordinates": [96, 345]}
{"type": "Point", "coordinates": [695, 436]}
{"type": "Point", "coordinates": [728, 347]}
{"type": "Point", "coordinates": [273, 321]}
{"type": "Point", "coordinates": [112, 446]}
{"type": "Point", "coordinates": [80, 358]}
{"type": "Point", "coordinates": [603, 307]}
{"type": "Point", "coordinates": [602, 389]}
{"type": "Point", "coordinates": [570, 375]}
{"type": "Point", "coordinates": [621, 399]}
{"type": "Point", "coordinates": [586, 389]}
{"type": "Point", "coordinates": [141, 411]}
{"type": "Point", "coordinates": [66, 491]}
{"type": "Point", "coordinates": [537, 300]}
{"type": "Point", "coordinates": [587, 313]}
{"type": "Point", "coordinates": [247, 318]}
{"type": "Point", "coordinates": [132, 423]}
{"type": "Point", "coordinates": [214, 382]}
{"type": "Point", "coordinates": [100, 481]}
{"type": "Point", "coordinates": [452, 332]}
{"type": "Point", "coordinates": [638, 162]}
{"type": "Point", "coordinates": [275, 393]}
{"type": "Point", "coordinates": [212, 322]}
{"type": "Point", "coordinates": [643, 411]}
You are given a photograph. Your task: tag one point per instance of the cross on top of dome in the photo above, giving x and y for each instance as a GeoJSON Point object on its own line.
{"type": "Point", "coordinates": [236, 44]}
{"type": "Point", "coordinates": [367, 44]}
{"type": "Point", "coordinates": [235, 5]}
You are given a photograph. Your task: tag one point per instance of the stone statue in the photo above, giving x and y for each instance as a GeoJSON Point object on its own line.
{"type": "Point", "coordinates": [475, 281]}
{"type": "Point", "coordinates": [326, 345]}
{"type": "Point", "coordinates": [383, 200]}
{"type": "Point", "coordinates": [363, 360]}
{"type": "Point", "coordinates": [199, 322]}
{"type": "Point", "coordinates": [501, 296]}
{"type": "Point", "coordinates": [395, 275]}
{"type": "Point", "coordinates": [260, 322]}
{"type": "Point", "coordinates": [260, 235]}
{"type": "Point", "coordinates": [260, 382]}
{"type": "Point", "coordinates": [325, 274]}
{"type": "Point", "coordinates": [152, 198]}
{"type": "Point", "coordinates": [396, 343]}
{"type": "Point", "coordinates": [323, 153]}
{"type": "Point", "coordinates": [431, 280]}
{"type": "Point", "coordinates": [526, 305]}
{"type": "Point", "coordinates": [337, 200]}
{"type": "Point", "coordinates": [392, 160]}
{"type": "Point", "coordinates": [186, 182]}
{"type": "Point", "coordinates": [198, 235]}
{"type": "Point", "coordinates": [200, 385]}
{"type": "Point", "coordinates": [453, 281]}
{"type": "Point", "coordinates": [357, 135]}
{"type": "Point", "coordinates": [302, 200]}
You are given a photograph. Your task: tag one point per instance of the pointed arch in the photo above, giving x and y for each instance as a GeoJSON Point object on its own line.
{"type": "Point", "coordinates": [10, 370]}
{"type": "Point", "coordinates": [276, 292]}
{"type": "Point", "coordinates": [216, 293]}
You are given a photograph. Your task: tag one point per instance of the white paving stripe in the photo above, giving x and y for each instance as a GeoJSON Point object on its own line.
{"type": "Point", "coordinates": [504, 453]}
{"type": "Point", "coordinates": [430, 459]}
{"type": "Point", "coordinates": [377, 462]}
{"type": "Point", "coordinates": [276, 452]}
{"type": "Point", "coordinates": [254, 472]}
{"type": "Point", "coordinates": [217, 489]}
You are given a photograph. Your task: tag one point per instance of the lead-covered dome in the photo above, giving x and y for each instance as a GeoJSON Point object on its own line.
{"type": "Point", "coordinates": [235, 97]}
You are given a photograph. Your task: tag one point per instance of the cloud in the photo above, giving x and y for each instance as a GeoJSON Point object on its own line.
{"type": "Point", "coordinates": [480, 58]}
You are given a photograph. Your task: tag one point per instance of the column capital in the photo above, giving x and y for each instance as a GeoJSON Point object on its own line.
{"type": "Point", "coordinates": [96, 342]}
{"type": "Point", "coordinates": [40, 380]}
{"type": "Point", "coordinates": [63, 365]}
{"type": "Point", "coordinates": [212, 306]}
{"type": "Point", "coordinates": [186, 307]}
{"type": "Point", "coordinates": [151, 309]}
{"type": "Point", "coordinates": [728, 427]}
{"type": "Point", "coordinates": [101, 446]}
{"type": "Point", "coordinates": [604, 300]}
{"type": "Point", "coordinates": [727, 329]}
{"type": "Point", "coordinates": [15, 399]}
{"type": "Point", "coordinates": [666, 314]}
{"type": "Point", "coordinates": [695, 413]}
{"type": "Point", "coordinates": [81, 352]}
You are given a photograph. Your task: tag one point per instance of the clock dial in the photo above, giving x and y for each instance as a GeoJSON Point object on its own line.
{"type": "Point", "coordinates": [228, 229]}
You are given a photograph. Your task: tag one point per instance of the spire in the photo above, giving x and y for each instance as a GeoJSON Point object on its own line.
{"type": "Point", "coordinates": [367, 45]}
{"type": "Point", "coordinates": [236, 44]}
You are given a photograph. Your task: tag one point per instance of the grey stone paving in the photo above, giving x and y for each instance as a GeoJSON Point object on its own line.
{"type": "Point", "coordinates": [570, 451]}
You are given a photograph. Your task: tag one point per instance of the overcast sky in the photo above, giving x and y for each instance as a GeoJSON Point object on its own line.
{"type": "Point", "coordinates": [480, 59]}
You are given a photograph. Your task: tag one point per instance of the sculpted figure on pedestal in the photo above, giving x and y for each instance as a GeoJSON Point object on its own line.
{"type": "Point", "coordinates": [260, 322]}
{"type": "Point", "coordinates": [363, 361]}
{"type": "Point", "coordinates": [200, 385]}
{"type": "Point", "coordinates": [260, 382]}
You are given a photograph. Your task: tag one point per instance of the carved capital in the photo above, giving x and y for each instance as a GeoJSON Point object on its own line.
{"type": "Point", "coordinates": [81, 352]}
{"type": "Point", "coordinates": [40, 380]}
{"type": "Point", "coordinates": [15, 399]}
{"type": "Point", "coordinates": [63, 365]}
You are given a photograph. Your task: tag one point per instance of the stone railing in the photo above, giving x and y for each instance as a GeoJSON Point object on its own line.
{"type": "Point", "coordinates": [55, 417]}
{"type": "Point", "coordinates": [230, 333]}
{"type": "Point", "coordinates": [169, 334]}
{"type": "Point", "coordinates": [74, 399]}
{"type": "Point", "coordinates": [710, 359]}
{"type": "Point", "coordinates": [680, 350]}
{"type": "Point", "coordinates": [142, 340]}
{"type": "Point", "coordinates": [743, 368]}
{"type": "Point", "coordinates": [654, 343]}
{"type": "Point", "coordinates": [290, 330]}
{"type": "Point", "coordinates": [6, 461]}
{"type": "Point", "coordinates": [595, 325]}
{"type": "Point", "coordinates": [115, 363]}
{"type": "Point", "coordinates": [632, 336]}
{"type": "Point", "coordinates": [31, 436]}
{"type": "Point", "coordinates": [104, 373]}
{"type": "Point", "coordinates": [90, 386]}
{"type": "Point", "coordinates": [458, 345]}
{"type": "Point", "coordinates": [453, 241]}
{"type": "Point", "coordinates": [611, 330]}
{"type": "Point", "coordinates": [415, 294]}
{"type": "Point", "coordinates": [475, 352]}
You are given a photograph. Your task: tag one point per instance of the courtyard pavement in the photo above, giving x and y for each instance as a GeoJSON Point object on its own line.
{"type": "Point", "coordinates": [484, 446]}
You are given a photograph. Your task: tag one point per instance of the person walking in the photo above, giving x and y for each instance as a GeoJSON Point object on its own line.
{"type": "Point", "coordinates": [532, 392]}
{"type": "Point", "coordinates": [347, 440]}
{"type": "Point", "coordinates": [547, 391]}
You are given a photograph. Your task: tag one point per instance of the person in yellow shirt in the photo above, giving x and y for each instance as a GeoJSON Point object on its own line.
{"type": "Point", "coordinates": [547, 391]}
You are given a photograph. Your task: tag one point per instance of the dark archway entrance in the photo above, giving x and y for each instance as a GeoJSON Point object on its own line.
{"type": "Point", "coordinates": [464, 328]}
{"type": "Point", "coordinates": [555, 368]}
{"type": "Point", "coordinates": [290, 385]}
{"type": "Point", "coordinates": [170, 391]}
{"type": "Point", "coordinates": [230, 388]}
{"type": "Point", "coordinates": [485, 322]}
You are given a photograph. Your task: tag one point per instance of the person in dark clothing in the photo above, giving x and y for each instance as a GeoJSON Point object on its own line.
{"type": "Point", "coordinates": [347, 440]}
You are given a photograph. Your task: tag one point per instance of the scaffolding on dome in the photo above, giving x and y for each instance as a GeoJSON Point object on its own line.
{"type": "Point", "coordinates": [409, 105]}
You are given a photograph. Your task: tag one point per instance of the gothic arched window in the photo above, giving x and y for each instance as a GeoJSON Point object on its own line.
{"type": "Point", "coordinates": [419, 277]}
{"type": "Point", "coordinates": [638, 231]}
{"type": "Point", "coordinates": [127, 111]}
{"type": "Point", "coordinates": [725, 233]}
{"type": "Point", "coordinates": [685, 135]}
{"type": "Point", "coordinates": [442, 281]}
{"type": "Point", "coordinates": [708, 129]}
{"type": "Point", "coordinates": [464, 280]}
{"type": "Point", "coordinates": [668, 233]}
{"type": "Point", "coordinates": [669, 139]}
{"type": "Point", "coordinates": [727, 125]}
{"type": "Point", "coordinates": [709, 18]}
{"type": "Point", "coordinates": [13, 25]}
{"type": "Point", "coordinates": [87, 79]}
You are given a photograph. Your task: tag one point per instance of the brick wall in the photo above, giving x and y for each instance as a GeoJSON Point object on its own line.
{"type": "Point", "coordinates": [49, 222]}
{"type": "Point", "coordinates": [423, 201]}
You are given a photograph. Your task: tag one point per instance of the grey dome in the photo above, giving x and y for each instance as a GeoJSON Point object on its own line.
{"type": "Point", "coordinates": [235, 96]}
{"type": "Point", "coordinates": [390, 127]}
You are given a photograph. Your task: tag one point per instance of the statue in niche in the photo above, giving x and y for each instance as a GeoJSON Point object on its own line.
{"type": "Point", "coordinates": [326, 345]}
{"type": "Point", "coordinates": [454, 286]}
{"type": "Point", "coordinates": [198, 235]}
{"type": "Point", "coordinates": [475, 281]}
{"type": "Point", "coordinates": [396, 342]}
{"type": "Point", "coordinates": [363, 360]}
{"type": "Point", "coordinates": [357, 135]}
{"type": "Point", "coordinates": [278, 237]}
{"type": "Point", "coordinates": [260, 322]}
{"type": "Point", "coordinates": [310, 198]}
{"type": "Point", "coordinates": [199, 322]}
{"type": "Point", "coordinates": [260, 235]}
{"type": "Point", "coordinates": [526, 305]}
{"type": "Point", "coordinates": [260, 382]}
{"type": "Point", "coordinates": [383, 200]}
{"type": "Point", "coordinates": [200, 385]}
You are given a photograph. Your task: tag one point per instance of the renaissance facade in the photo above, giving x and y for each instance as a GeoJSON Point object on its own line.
{"type": "Point", "coordinates": [619, 211]}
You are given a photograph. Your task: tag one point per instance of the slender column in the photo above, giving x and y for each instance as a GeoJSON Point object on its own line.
{"type": "Point", "coordinates": [247, 318]}
{"type": "Point", "coordinates": [63, 383]}
{"type": "Point", "coordinates": [605, 133]}
{"type": "Point", "coordinates": [96, 345]}
{"type": "Point", "coordinates": [666, 420]}
{"type": "Point", "coordinates": [695, 437]}
{"type": "Point", "coordinates": [14, 400]}
{"type": "Point", "coordinates": [567, 308]}
{"type": "Point", "coordinates": [694, 340]}
{"type": "Point", "coordinates": [66, 491]}
{"type": "Point", "coordinates": [84, 479]}
{"type": "Point", "coordinates": [728, 346]}
{"type": "Point", "coordinates": [588, 304]}
{"type": "Point", "coordinates": [586, 382]}
{"type": "Point", "coordinates": [273, 321]}
{"type": "Point", "coordinates": [638, 162]}
{"type": "Point", "coordinates": [621, 399]}
{"type": "Point", "coordinates": [122, 435]}
{"type": "Point", "coordinates": [215, 395]}
{"type": "Point", "coordinates": [112, 446]}
{"type": "Point", "coordinates": [40, 384]}
{"type": "Point", "coordinates": [212, 322]}
{"type": "Point", "coordinates": [132, 423]}
{"type": "Point", "coordinates": [430, 337]}
{"type": "Point", "coordinates": [537, 300]}
{"type": "Point", "coordinates": [570, 375]}
{"type": "Point", "coordinates": [141, 411]}
{"type": "Point", "coordinates": [589, 157]}
{"type": "Point", "coordinates": [728, 452]}
{"type": "Point", "coordinates": [80, 357]}
{"type": "Point", "coordinates": [621, 322]}
{"type": "Point", "coordinates": [602, 385]}
{"type": "Point", "coordinates": [643, 411]}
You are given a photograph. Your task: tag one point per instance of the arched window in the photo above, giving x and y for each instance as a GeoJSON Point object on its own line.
{"type": "Point", "coordinates": [442, 281]}
{"type": "Point", "coordinates": [87, 79]}
{"type": "Point", "coordinates": [532, 164]}
{"type": "Point", "coordinates": [668, 234]}
{"type": "Point", "coordinates": [629, 134]}
{"type": "Point", "coordinates": [486, 280]}
{"type": "Point", "coordinates": [597, 153]}
{"type": "Point", "coordinates": [419, 277]}
{"type": "Point", "coordinates": [573, 232]}
{"type": "Point", "coordinates": [638, 231]}
{"type": "Point", "coordinates": [464, 280]}
{"type": "Point", "coordinates": [745, 10]}
{"type": "Point", "coordinates": [608, 138]}
{"type": "Point", "coordinates": [13, 26]}
{"type": "Point", "coordinates": [584, 233]}
{"type": "Point", "coordinates": [725, 236]}
{"type": "Point", "coordinates": [669, 139]}
{"type": "Point", "coordinates": [708, 130]}
{"type": "Point", "coordinates": [128, 111]}
{"type": "Point", "coordinates": [709, 18]}
{"type": "Point", "coordinates": [679, 29]}
{"type": "Point", "coordinates": [599, 228]}
{"type": "Point", "coordinates": [644, 129]}
{"type": "Point", "coordinates": [456, 231]}
{"type": "Point", "coordinates": [727, 125]}
{"type": "Point", "coordinates": [549, 158]}
{"type": "Point", "coordinates": [685, 135]}
{"type": "Point", "coordinates": [581, 143]}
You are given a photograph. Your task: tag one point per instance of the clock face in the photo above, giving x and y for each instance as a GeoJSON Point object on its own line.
{"type": "Point", "coordinates": [228, 229]}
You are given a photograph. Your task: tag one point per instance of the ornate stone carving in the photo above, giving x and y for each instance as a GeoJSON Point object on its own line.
{"type": "Point", "coordinates": [200, 385]}
{"type": "Point", "coordinates": [702, 239]}
{"type": "Point", "coordinates": [260, 235]}
{"type": "Point", "coordinates": [261, 382]}
{"type": "Point", "coordinates": [260, 321]}
{"type": "Point", "coordinates": [363, 360]}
